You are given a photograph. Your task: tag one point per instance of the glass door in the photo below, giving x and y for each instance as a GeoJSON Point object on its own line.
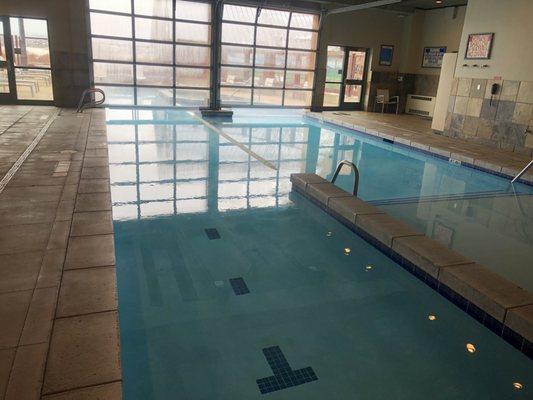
{"type": "Point", "coordinates": [345, 78]}
{"type": "Point", "coordinates": [25, 70]}
{"type": "Point", "coordinates": [7, 78]}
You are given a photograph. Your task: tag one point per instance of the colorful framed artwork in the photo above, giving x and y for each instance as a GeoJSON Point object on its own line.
{"type": "Point", "coordinates": [385, 55]}
{"type": "Point", "coordinates": [479, 46]}
{"type": "Point", "coordinates": [432, 57]}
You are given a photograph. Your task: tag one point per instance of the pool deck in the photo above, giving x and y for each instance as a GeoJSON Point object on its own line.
{"type": "Point", "coordinates": [59, 335]}
{"type": "Point", "coordinates": [415, 132]}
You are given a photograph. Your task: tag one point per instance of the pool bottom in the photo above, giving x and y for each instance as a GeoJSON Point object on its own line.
{"type": "Point", "coordinates": [366, 333]}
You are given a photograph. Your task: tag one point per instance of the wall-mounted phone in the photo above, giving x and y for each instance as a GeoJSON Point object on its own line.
{"type": "Point", "coordinates": [493, 91]}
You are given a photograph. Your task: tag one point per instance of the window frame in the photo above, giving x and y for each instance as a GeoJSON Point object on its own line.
{"type": "Point", "coordinates": [254, 65]}
{"type": "Point", "coordinates": [175, 87]}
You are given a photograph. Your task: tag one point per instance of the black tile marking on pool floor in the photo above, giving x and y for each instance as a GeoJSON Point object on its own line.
{"type": "Point", "coordinates": [239, 286]}
{"type": "Point", "coordinates": [284, 376]}
{"type": "Point", "coordinates": [212, 233]}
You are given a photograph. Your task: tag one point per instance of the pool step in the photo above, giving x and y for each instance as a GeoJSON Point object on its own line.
{"type": "Point", "coordinates": [497, 303]}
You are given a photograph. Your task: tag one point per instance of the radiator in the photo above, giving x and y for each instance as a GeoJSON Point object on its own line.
{"type": "Point", "coordinates": [420, 105]}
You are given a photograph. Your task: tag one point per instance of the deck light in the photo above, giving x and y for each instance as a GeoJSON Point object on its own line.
{"type": "Point", "coordinates": [518, 385]}
{"type": "Point", "coordinates": [470, 348]}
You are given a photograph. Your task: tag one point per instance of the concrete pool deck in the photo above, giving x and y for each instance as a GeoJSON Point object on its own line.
{"type": "Point", "coordinates": [58, 312]}
{"type": "Point", "coordinates": [58, 308]}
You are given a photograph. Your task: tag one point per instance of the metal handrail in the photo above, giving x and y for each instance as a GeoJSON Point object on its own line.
{"type": "Point", "coordinates": [355, 171]}
{"type": "Point", "coordinates": [82, 106]}
{"type": "Point", "coordinates": [517, 177]}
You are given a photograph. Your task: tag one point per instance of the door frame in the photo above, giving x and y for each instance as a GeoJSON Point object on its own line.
{"type": "Point", "coordinates": [12, 97]}
{"type": "Point", "coordinates": [344, 106]}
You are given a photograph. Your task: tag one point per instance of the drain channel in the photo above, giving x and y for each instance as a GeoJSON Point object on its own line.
{"type": "Point", "coordinates": [15, 167]}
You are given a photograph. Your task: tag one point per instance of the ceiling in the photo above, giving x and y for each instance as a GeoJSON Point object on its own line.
{"type": "Point", "coordinates": [404, 6]}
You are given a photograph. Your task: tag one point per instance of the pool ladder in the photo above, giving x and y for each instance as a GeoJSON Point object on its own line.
{"type": "Point", "coordinates": [355, 171]}
{"type": "Point", "coordinates": [92, 103]}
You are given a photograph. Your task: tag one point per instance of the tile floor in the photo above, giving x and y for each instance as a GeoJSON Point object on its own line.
{"type": "Point", "coordinates": [58, 311]}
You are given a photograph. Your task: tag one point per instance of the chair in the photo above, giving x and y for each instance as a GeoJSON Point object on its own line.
{"type": "Point", "coordinates": [382, 97]}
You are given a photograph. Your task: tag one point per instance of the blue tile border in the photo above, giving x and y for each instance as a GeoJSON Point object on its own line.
{"type": "Point", "coordinates": [212, 233]}
{"type": "Point", "coordinates": [506, 333]}
{"type": "Point", "coordinates": [239, 286]}
{"type": "Point", "coordinates": [417, 149]}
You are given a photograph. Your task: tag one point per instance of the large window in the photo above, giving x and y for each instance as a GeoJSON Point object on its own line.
{"type": "Point", "coordinates": [152, 52]}
{"type": "Point", "coordinates": [267, 56]}
{"type": "Point", "coordinates": [158, 53]}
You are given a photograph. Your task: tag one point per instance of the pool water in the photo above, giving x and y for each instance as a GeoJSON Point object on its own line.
{"type": "Point", "coordinates": [230, 285]}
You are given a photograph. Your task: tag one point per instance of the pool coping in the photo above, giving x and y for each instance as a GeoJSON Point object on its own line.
{"type": "Point", "coordinates": [495, 302]}
{"type": "Point", "coordinates": [455, 157]}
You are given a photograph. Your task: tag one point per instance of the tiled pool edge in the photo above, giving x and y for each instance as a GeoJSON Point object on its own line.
{"type": "Point", "coordinates": [478, 164]}
{"type": "Point", "coordinates": [317, 190]}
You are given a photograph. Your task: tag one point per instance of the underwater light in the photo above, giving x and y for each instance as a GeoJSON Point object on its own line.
{"type": "Point", "coordinates": [470, 348]}
{"type": "Point", "coordinates": [431, 317]}
{"type": "Point", "coordinates": [347, 251]}
{"type": "Point", "coordinates": [518, 385]}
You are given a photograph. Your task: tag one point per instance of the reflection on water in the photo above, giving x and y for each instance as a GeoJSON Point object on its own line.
{"type": "Point", "coordinates": [496, 231]}
{"type": "Point", "coordinates": [165, 162]}
{"type": "Point", "coordinates": [324, 295]}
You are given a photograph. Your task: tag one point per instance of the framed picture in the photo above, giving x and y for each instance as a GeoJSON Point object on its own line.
{"type": "Point", "coordinates": [442, 233]}
{"type": "Point", "coordinates": [385, 55]}
{"type": "Point", "coordinates": [432, 57]}
{"type": "Point", "coordinates": [479, 46]}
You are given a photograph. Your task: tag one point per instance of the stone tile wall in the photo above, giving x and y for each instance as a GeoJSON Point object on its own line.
{"type": "Point", "coordinates": [505, 122]}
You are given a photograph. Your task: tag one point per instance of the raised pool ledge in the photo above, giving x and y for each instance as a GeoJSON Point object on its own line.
{"type": "Point", "coordinates": [500, 305]}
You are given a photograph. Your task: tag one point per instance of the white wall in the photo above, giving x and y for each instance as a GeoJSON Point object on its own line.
{"type": "Point", "coordinates": [432, 28]}
{"type": "Point", "coordinates": [512, 50]}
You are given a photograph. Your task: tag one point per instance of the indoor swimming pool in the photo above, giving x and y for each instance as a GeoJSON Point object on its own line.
{"type": "Point", "coordinates": [230, 286]}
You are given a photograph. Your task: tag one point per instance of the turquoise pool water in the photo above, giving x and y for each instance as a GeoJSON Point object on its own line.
{"type": "Point", "coordinates": [339, 326]}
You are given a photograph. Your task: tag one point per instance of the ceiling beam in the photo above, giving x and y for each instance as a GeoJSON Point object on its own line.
{"type": "Point", "coordinates": [357, 7]}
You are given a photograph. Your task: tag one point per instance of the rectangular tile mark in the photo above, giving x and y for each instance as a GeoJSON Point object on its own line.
{"type": "Point", "coordinates": [212, 233]}
{"type": "Point", "coordinates": [239, 286]}
{"type": "Point", "coordinates": [284, 376]}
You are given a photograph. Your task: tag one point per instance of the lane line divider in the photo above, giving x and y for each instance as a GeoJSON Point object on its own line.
{"type": "Point", "coordinates": [235, 142]}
